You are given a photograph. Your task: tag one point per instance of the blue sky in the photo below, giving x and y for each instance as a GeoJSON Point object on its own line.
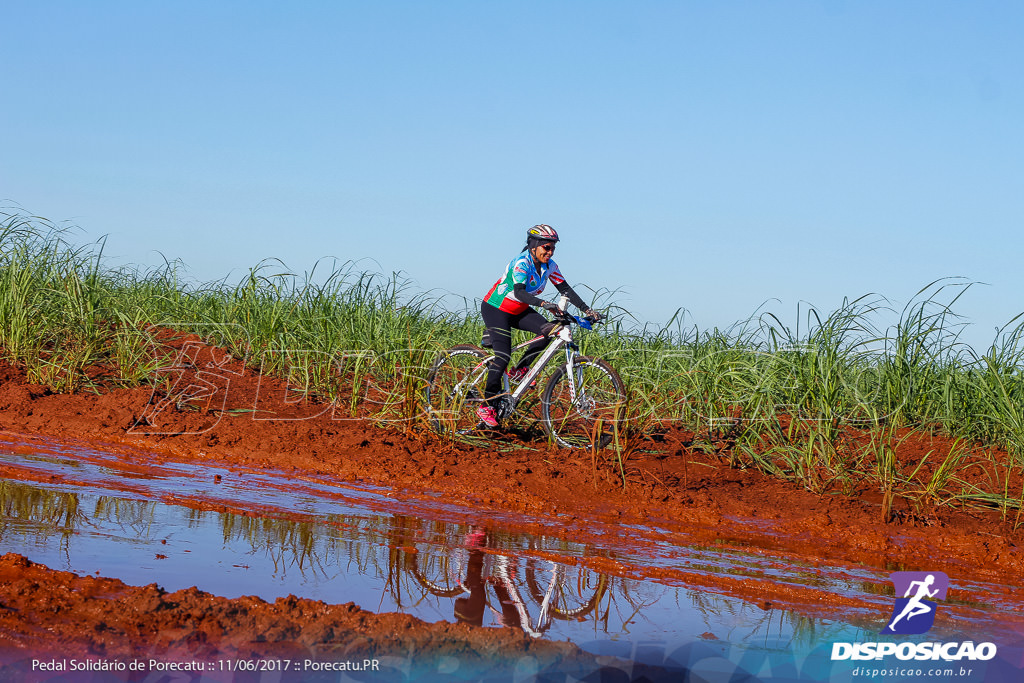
{"type": "Point", "coordinates": [711, 156]}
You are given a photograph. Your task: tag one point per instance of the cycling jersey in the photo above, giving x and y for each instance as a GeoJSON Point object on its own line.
{"type": "Point", "coordinates": [523, 270]}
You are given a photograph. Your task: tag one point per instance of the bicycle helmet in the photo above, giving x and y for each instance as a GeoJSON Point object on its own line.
{"type": "Point", "coordinates": [542, 233]}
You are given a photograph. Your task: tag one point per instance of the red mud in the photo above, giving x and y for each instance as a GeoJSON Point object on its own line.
{"type": "Point", "coordinates": [694, 495]}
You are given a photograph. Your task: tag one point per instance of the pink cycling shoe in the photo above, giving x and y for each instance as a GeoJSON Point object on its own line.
{"type": "Point", "coordinates": [487, 416]}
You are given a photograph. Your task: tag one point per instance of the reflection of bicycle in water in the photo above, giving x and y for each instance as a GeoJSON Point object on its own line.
{"type": "Point", "coordinates": [470, 570]}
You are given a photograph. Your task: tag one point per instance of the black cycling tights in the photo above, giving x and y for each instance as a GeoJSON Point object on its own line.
{"type": "Point", "coordinates": [499, 327]}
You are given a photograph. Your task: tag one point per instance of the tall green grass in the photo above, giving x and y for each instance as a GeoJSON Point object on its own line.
{"type": "Point", "coordinates": [63, 315]}
{"type": "Point", "coordinates": [786, 396]}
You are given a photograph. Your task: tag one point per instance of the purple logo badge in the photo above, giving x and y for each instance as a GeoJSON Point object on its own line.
{"type": "Point", "coordinates": [915, 611]}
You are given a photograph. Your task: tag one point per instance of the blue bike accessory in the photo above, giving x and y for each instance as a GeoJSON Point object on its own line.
{"type": "Point", "coordinates": [583, 322]}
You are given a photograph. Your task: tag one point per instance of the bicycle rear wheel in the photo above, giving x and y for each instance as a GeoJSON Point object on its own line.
{"type": "Point", "coordinates": [455, 389]}
{"type": "Point", "coordinates": [586, 420]}
{"type": "Point", "coordinates": [439, 575]}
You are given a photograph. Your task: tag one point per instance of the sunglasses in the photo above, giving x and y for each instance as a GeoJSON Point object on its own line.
{"type": "Point", "coordinates": [547, 247]}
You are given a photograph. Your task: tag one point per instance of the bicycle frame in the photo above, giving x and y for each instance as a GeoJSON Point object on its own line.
{"type": "Point", "coordinates": [501, 571]}
{"type": "Point", "coordinates": [562, 339]}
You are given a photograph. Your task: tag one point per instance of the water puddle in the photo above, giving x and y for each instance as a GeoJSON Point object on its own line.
{"type": "Point", "coordinates": [270, 534]}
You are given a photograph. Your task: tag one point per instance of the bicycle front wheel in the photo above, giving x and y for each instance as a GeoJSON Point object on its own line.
{"type": "Point", "coordinates": [580, 410]}
{"type": "Point", "coordinates": [455, 389]}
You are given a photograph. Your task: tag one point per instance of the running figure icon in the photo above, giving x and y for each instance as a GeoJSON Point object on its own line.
{"type": "Point", "coordinates": [915, 606]}
{"type": "Point", "coordinates": [915, 612]}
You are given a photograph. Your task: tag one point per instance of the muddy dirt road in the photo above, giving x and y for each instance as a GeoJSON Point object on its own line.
{"type": "Point", "coordinates": [674, 493]}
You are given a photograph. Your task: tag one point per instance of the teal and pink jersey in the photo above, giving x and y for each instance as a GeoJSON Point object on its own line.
{"type": "Point", "coordinates": [523, 270]}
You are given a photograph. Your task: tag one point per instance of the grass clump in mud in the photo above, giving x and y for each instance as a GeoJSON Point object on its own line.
{"type": "Point", "coordinates": [822, 404]}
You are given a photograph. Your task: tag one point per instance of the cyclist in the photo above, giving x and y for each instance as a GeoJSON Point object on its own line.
{"type": "Point", "coordinates": [507, 305]}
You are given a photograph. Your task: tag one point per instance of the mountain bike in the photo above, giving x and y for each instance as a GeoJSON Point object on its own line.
{"type": "Point", "coordinates": [581, 404]}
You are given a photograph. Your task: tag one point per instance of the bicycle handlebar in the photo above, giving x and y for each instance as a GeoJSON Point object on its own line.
{"type": "Point", "coordinates": [585, 323]}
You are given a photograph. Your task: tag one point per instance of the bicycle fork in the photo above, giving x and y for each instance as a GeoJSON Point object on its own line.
{"type": "Point", "coordinates": [570, 372]}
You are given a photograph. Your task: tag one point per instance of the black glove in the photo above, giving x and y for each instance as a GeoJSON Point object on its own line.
{"type": "Point", "coordinates": [552, 308]}
{"type": "Point", "coordinates": [592, 315]}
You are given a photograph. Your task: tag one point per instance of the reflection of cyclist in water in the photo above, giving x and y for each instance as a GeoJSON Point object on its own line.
{"type": "Point", "coordinates": [471, 609]}
{"type": "Point", "coordinates": [915, 606]}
